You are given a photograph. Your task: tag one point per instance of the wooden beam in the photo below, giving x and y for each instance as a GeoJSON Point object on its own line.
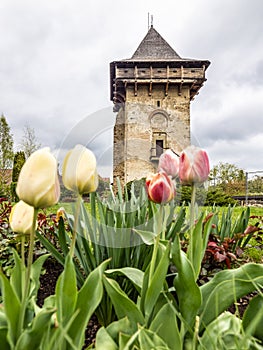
{"type": "Point", "coordinates": [193, 84]}
{"type": "Point", "coordinates": [182, 72]}
{"type": "Point", "coordinates": [135, 88]}
{"type": "Point", "coordinates": [166, 88]}
{"type": "Point", "coordinates": [135, 72]}
{"type": "Point", "coordinates": [135, 82]}
{"type": "Point", "coordinates": [150, 88]}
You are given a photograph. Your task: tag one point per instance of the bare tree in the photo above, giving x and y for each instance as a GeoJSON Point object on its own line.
{"type": "Point", "coordinates": [29, 142]}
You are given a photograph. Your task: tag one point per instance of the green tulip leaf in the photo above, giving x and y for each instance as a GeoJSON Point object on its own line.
{"type": "Point", "coordinates": [88, 299]}
{"type": "Point", "coordinates": [118, 332]}
{"type": "Point", "coordinates": [3, 330]}
{"type": "Point", "coordinates": [226, 287]}
{"type": "Point", "coordinates": [66, 292]}
{"type": "Point", "coordinates": [134, 275]}
{"type": "Point", "coordinates": [122, 304]}
{"type": "Point", "coordinates": [124, 341]}
{"type": "Point", "coordinates": [120, 327]}
{"type": "Point", "coordinates": [222, 333]}
{"type": "Point", "coordinates": [104, 340]}
{"type": "Point", "coordinates": [36, 269]}
{"type": "Point", "coordinates": [155, 286]}
{"type": "Point", "coordinates": [198, 244]}
{"type": "Point", "coordinates": [3, 339]}
{"type": "Point", "coordinates": [32, 338]}
{"type": "Point", "coordinates": [188, 293]}
{"type": "Point", "coordinates": [17, 279]}
{"type": "Point", "coordinates": [149, 340]}
{"type": "Point", "coordinates": [165, 324]}
{"type": "Point", "coordinates": [63, 237]}
{"type": "Point", "coordinates": [147, 237]}
{"type": "Point", "coordinates": [12, 308]}
{"type": "Point", "coordinates": [176, 226]}
{"type": "Point", "coordinates": [253, 317]}
{"type": "Point", "coordinates": [51, 248]}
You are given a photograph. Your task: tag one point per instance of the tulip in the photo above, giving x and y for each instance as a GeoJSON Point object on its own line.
{"type": "Point", "coordinates": [160, 188]}
{"type": "Point", "coordinates": [79, 173]}
{"type": "Point", "coordinates": [193, 166]}
{"type": "Point", "coordinates": [61, 213]}
{"type": "Point", "coordinates": [169, 162]}
{"type": "Point", "coordinates": [38, 183]}
{"type": "Point", "coordinates": [21, 218]}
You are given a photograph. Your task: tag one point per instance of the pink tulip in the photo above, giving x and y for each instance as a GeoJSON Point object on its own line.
{"type": "Point", "coordinates": [160, 187]}
{"type": "Point", "coordinates": [169, 162]}
{"type": "Point", "coordinates": [193, 166]}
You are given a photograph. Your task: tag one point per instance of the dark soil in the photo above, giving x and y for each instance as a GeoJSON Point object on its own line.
{"type": "Point", "coordinates": [240, 306]}
{"type": "Point", "coordinates": [52, 269]}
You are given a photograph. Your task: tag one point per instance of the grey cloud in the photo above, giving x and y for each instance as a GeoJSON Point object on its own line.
{"type": "Point", "coordinates": [54, 68]}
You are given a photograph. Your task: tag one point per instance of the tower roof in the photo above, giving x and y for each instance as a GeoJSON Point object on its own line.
{"type": "Point", "coordinates": [156, 62]}
{"type": "Point", "coordinates": [153, 47]}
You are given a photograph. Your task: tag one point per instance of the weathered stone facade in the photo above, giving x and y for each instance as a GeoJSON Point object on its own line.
{"type": "Point", "coordinates": [152, 96]}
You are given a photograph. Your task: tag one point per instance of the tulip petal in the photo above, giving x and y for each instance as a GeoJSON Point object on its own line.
{"type": "Point", "coordinates": [79, 173]}
{"type": "Point", "coordinates": [160, 187]}
{"type": "Point", "coordinates": [169, 162]}
{"type": "Point", "coordinates": [193, 165]}
{"type": "Point", "coordinates": [21, 218]}
{"type": "Point", "coordinates": [38, 180]}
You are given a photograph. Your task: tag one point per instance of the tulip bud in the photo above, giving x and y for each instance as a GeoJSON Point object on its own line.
{"type": "Point", "coordinates": [193, 165]}
{"type": "Point", "coordinates": [38, 183]}
{"type": "Point", "coordinates": [60, 214]}
{"type": "Point", "coordinates": [21, 218]}
{"type": "Point", "coordinates": [160, 187]}
{"type": "Point", "coordinates": [79, 173]}
{"type": "Point", "coordinates": [169, 162]}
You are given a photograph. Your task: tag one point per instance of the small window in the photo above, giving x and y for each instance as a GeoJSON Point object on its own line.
{"type": "Point", "coordinates": [158, 103]}
{"type": "Point", "coordinates": [159, 71]}
{"type": "Point", "coordinates": [159, 148]}
{"type": "Point", "coordinates": [192, 71]}
{"type": "Point", "coordinates": [143, 71]}
{"type": "Point", "coordinates": [174, 71]}
{"type": "Point", "coordinates": [126, 71]}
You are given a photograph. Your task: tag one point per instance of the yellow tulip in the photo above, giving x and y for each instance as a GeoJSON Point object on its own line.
{"type": "Point", "coordinates": [79, 173]}
{"type": "Point", "coordinates": [21, 218]}
{"type": "Point", "coordinates": [38, 183]}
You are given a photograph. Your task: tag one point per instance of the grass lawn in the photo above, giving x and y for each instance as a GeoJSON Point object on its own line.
{"type": "Point", "coordinates": [254, 211]}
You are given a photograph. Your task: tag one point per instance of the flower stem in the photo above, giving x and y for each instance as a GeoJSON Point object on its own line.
{"type": "Point", "coordinates": [28, 272]}
{"type": "Point", "coordinates": [159, 231]}
{"type": "Point", "coordinates": [23, 250]}
{"type": "Point", "coordinates": [76, 219]}
{"type": "Point", "coordinates": [196, 331]}
{"type": "Point", "coordinates": [154, 256]}
{"type": "Point", "coordinates": [192, 222]}
{"type": "Point", "coordinates": [192, 208]}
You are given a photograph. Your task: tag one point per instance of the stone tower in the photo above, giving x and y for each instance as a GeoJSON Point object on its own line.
{"type": "Point", "coordinates": [151, 93]}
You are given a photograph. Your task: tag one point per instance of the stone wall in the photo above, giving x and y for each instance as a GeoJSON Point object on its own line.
{"type": "Point", "coordinates": [146, 119]}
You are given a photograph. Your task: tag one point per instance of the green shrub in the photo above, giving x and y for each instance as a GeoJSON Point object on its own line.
{"type": "Point", "coordinates": [217, 197]}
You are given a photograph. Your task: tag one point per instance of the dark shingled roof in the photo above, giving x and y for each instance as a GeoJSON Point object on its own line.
{"type": "Point", "coordinates": [154, 47]}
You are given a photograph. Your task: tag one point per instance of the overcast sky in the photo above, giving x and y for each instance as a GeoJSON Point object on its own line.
{"type": "Point", "coordinates": [54, 70]}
